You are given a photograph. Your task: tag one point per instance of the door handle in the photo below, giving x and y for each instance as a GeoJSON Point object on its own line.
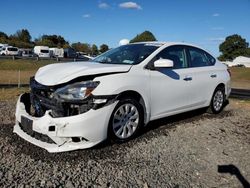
{"type": "Point", "coordinates": [188, 78]}
{"type": "Point", "coordinates": [213, 76]}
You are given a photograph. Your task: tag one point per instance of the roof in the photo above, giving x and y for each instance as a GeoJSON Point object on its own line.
{"type": "Point", "coordinates": [162, 43]}
{"type": "Point", "coordinates": [242, 59]}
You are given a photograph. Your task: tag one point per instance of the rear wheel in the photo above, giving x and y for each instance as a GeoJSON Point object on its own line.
{"type": "Point", "coordinates": [126, 120]}
{"type": "Point", "coordinates": [218, 100]}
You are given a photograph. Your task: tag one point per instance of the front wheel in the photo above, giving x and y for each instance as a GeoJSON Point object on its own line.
{"type": "Point", "coordinates": [126, 120]}
{"type": "Point", "coordinates": [218, 99]}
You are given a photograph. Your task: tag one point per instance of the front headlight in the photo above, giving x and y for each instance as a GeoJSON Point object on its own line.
{"type": "Point", "coordinates": [76, 91]}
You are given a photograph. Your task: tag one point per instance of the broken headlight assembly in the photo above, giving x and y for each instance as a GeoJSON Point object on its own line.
{"type": "Point", "coordinates": [77, 91]}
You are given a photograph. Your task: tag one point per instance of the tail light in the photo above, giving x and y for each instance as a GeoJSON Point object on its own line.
{"type": "Point", "coordinates": [228, 70]}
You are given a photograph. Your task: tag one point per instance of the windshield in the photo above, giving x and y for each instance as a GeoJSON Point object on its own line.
{"type": "Point", "coordinates": [128, 54]}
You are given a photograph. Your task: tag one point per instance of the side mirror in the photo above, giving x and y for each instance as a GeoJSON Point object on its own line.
{"type": "Point", "coordinates": [163, 63]}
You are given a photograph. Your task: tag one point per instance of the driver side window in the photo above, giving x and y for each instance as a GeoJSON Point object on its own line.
{"type": "Point", "coordinates": [176, 54]}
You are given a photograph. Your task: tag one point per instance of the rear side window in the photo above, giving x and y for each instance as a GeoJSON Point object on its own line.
{"type": "Point", "coordinates": [199, 58]}
{"type": "Point", "coordinates": [45, 51]}
{"type": "Point", "coordinates": [13, 49]}
{"type": "Point", "coordinates": [176, 54]}
{"type": "Point", "coordinates": [211, 59]}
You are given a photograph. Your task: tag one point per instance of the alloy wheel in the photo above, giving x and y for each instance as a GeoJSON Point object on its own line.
{"type": "Point", "coordinates": [125, 121]}
{"type": "Point", "coordinates": [218, 100]}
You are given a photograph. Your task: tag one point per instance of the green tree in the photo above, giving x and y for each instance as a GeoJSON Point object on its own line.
{"type": "Point", "coordinates": [23, 35]}
{"type": "Point", "coordinates": [104, 48]}
{"type": "Point", "coordinates": [233, 47]}
{"type": "Point", "coordinates": [82, 47]}
{"type": "Point", "coordinates": [51, 41]}
{"type": "Point", "coordinates": [144, 36]}
{"type": "Point", "coordinates": [21, 39]}
{"type": "Point", "coordinates": [94, 50]}
{"type": "Point", "coordinates": [3, 37]}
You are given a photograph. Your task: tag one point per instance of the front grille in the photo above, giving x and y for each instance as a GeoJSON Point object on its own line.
{"type": "Point", "coordinates": [26, 126]}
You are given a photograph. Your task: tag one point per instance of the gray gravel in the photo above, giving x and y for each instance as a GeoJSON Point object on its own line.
{"type": "Point", "coordinates": [180, 151]}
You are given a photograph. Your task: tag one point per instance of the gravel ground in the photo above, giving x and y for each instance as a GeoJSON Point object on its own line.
{"type": "Point", "coordinates": [180, 151]}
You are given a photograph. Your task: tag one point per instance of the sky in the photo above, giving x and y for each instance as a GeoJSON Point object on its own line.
{"type": "Point", "coordinates": [205, 23]}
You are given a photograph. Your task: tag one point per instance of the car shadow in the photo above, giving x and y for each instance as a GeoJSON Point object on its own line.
{"type": "Point", "coordinates": [169, 72]}
{"type": "Point", "coordinates": [171, 121]}
{"type": "Point", "coordinates": [168, 123]}
{"type": "Point", "coordinates": [233, 170]}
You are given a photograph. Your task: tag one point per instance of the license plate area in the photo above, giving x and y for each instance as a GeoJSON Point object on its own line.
{"type": "Point", "coordinates": [27, 125]}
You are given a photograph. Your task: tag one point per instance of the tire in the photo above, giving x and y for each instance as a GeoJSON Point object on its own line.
{"type": "Point", "coordinates": [218, 100]}
{"type": "Point", "coordinates": [125, 121]}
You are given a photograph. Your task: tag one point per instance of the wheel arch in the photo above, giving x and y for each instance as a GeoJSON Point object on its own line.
{"type": "Point", "coordinates": [137, 96]}
{"type": "Point", "coordinates": [220, 85]}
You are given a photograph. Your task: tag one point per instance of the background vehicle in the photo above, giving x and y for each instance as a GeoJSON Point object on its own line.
{"type": "Point", "coordinates": [9, 50]}
{"type": "Point", "coordinates": [56, 52]}
{"type": "Point", "coordinates": [3, 45]}
{"type": "Point", "coordinates": [42, 51]}
{"type": "Point", "coordinates": [70, 53]}
{"type": "Point", "coordinates": [83, 56]}
{"type": "Point", "coordinates": [26, 52]}
{"type": "Point", "coordinates": [78, 105]}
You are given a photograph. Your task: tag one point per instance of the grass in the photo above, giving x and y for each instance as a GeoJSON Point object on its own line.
{"type": "Point", "coordinates": [11, 94]}
{"type": "Point", "coordinates": [12, 76]}
{"type": "Point", "coordinates": [240, 77]}
{"type": "Point", "coordinates": [9, 69]}
{"type": "Point", "coordinates": [23, 64]}
{"type": "Point", "coordinates": [240, 73]}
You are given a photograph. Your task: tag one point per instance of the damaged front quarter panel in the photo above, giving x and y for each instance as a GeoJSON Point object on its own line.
{"type": "Point", "coordinates": [43, 98]}
{"type": "Point", "coordinates": [58, 134]}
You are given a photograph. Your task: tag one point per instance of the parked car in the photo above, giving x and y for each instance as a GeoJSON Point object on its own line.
{"type": "Point", "coordinates": [42, 51]}
{"type": "Point", "coordinates": [26, 52]}
{"type": "Point", "coordinates": [78, 105]}
{"type": "Point", "coordinates": [3, 45]}
{"type": "Point", "coordinates": [70, 53]}
{"type": "Point", "coordinates": [83, 56]}
{"type": "Point", "coordinates": [56, 52]}
{"type": "Point", "coordinates": [9, 50]}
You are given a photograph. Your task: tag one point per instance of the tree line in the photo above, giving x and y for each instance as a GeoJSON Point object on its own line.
{"type": "Point", "coordinates": [232, 47]}
{"type": "Point", "coordinates": [23, 39]}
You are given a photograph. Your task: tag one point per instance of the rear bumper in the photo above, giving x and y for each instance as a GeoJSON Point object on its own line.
{"type": "Point", "coordinates": [89, 128]}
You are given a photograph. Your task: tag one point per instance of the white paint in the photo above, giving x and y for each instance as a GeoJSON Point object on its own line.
{"type": "Point", "coordinates": [123, 42]}
{"type": "Point", "coordinates": [163, 94]}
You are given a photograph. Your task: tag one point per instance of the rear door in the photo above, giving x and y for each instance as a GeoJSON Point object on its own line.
{"type": "Point", "coordinates": [203, 73]}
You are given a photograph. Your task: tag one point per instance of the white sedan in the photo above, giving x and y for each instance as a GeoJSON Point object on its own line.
{"type": "Point", "coordinates": [78, 105]}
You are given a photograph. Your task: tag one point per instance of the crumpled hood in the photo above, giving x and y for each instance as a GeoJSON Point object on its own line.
{"type": "Point", "coordinates": [59, 73]}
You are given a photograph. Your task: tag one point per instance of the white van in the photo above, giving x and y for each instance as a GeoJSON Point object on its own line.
{"type": "Point", "coordinates": [9, 50]}
{"type": "Point", "coordinates": [2, 46]}
{"type": "Point", "coordinates": [56, 52]}
{"type": "Point", "coordinates": [41, 51]}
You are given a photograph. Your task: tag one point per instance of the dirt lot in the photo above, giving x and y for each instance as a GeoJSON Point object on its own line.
{"type": "Point", "coordinates": [180, 151]}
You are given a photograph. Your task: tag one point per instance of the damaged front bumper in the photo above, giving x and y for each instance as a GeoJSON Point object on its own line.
{"type": "Point", "coordinates": [59, 134]}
